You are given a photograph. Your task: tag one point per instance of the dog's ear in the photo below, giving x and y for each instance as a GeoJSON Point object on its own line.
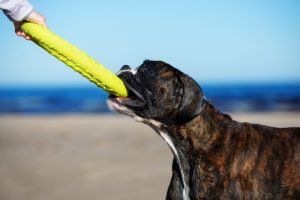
{"type": "Point", "coordinates": [192, 101]}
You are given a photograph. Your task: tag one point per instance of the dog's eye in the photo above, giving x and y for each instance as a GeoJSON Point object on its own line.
{"type": "Point", "coordinates": [147, 71]}
{"type": "Point", "coordinates": [162, 90]}
{"type": "Point", "coordinates": [181, 91]}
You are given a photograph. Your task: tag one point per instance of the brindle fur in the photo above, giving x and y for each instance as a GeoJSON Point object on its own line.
{"type": "Point", "coordinates": [225, 159]}
{"type": "Point", "coordinates": [216, 157]}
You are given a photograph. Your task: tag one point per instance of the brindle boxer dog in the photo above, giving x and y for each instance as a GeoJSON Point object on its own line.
{"type": "Point", "coordinates": [215, 157]}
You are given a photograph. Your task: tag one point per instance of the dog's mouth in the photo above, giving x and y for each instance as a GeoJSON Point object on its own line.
{"type": "Point", "coordinates": [135, 98]}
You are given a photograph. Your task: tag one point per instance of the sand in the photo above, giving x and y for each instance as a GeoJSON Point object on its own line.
{"type": "Point", "coordinates": [88, 157]}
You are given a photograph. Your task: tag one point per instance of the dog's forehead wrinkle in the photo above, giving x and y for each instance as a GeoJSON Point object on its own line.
{"type": "Point", "coordinates": [167, 73]}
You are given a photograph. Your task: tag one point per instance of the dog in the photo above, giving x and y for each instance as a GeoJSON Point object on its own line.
{"type": "Point", "coordinates": [215, 157]}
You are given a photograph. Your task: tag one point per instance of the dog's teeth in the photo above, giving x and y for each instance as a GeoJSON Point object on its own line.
{"type": "Point", "coordinates": [119, 100]}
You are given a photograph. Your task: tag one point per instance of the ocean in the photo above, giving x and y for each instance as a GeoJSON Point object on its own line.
{"type": "Point", "coordinates": [227, 98]}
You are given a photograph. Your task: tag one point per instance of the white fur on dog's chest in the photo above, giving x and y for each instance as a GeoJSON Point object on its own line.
{"type": "Point", "coordinates": [165, 136]}
{"type": "Point", "coordinates": [157, 126]}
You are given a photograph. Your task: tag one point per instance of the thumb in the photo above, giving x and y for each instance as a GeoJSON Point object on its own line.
{"type": "Point", "coordinates": [37, 18]}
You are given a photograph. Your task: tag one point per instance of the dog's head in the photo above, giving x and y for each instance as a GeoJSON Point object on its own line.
{"type": "Point", "coordinates": [158, 91]}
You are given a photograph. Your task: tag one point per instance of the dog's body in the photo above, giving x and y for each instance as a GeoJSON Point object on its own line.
{"type": "Point", "coordinates": [215, 157]}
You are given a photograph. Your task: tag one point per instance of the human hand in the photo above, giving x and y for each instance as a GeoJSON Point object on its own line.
{"type": "Point", "coordinates": [34, 17]}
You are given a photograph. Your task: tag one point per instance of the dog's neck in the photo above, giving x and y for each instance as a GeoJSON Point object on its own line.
{"type": "Point", "coordinates": [199, 133]}
{"type": "Point", "coordinates": [193, 138]}
{"type": "Point", "coordinates": [202, 131]}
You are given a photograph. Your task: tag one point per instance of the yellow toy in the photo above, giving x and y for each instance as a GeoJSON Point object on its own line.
{"type": "Point", "coordinates": [75, 58]}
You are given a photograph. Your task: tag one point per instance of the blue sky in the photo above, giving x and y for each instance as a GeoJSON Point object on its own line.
{"type": "Point", "coordinates": [212, 41]}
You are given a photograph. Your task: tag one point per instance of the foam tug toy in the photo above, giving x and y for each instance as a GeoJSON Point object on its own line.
{"type": "Point", "coordinates": [75, 58]}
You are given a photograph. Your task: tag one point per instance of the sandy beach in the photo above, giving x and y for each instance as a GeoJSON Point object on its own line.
{"type": "Point", "coordinates": [88, 157]}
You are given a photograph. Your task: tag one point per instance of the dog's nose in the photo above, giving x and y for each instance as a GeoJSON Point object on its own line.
{"type": "Point", "coordinates": [125, 67]}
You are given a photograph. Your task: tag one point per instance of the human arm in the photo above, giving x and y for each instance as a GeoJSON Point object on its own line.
{"type": "Point", "coordinates": [20, 10]}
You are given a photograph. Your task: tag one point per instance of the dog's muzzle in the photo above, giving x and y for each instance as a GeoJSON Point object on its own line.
{"type": "Point", "coordinates": [135, 97]}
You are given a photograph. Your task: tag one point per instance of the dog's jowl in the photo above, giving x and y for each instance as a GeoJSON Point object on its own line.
{"type": "Point", "coordinates": [215, 157]}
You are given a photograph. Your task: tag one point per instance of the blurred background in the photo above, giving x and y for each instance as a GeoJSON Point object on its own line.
{"type": "Point", "coordinates": [58, 140]}
{"type": "Point", "coordinates": [245, 55]}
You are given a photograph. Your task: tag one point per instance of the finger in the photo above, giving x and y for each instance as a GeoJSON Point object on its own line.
{"type": "Point", "coordinates": [44, 22]}
{"type": "Point", "coordinates": [27, 37]}
{"type": "Point", "coordinates": [22, 34]}
{"type": "Point", "coordinates": [37, 18]}
{"type": "Point", "coordinates": [18, 33]}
